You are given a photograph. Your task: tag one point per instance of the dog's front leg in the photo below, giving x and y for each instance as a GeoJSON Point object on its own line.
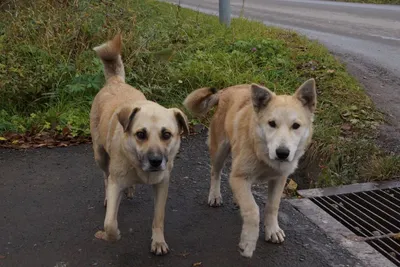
{"type": "Point", "coordinates": [272, 230]}
{"type": "Point", "coordinates": [158, 244]}
{"type": "Point", "coordinates": [111, 231]}
{"type": "Point", "coordinates": [249, 210]}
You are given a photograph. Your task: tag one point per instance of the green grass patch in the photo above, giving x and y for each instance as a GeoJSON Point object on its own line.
{"type": "Point", "coordinates": [49, 73]}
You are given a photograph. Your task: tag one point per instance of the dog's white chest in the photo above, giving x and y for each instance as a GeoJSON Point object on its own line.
{"type": "Point", "coordinates": [148, 178]}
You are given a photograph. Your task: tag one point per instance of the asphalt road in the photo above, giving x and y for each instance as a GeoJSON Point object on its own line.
{"type": "Point", "coordinates": [366, 37]}
{"type": "Point", "coordinates": [51, 203]}
{"type": "Point", "coordinates": [370, 31]}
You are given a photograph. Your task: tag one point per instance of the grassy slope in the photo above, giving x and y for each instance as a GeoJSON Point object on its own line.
{"type": "Point", "coordinates": [49, 74]}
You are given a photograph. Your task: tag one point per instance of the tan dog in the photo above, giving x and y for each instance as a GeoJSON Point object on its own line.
{"type": "Point", "coordinates": [267, 134]}
{"type": "Point", "coordinates": [134, 141]}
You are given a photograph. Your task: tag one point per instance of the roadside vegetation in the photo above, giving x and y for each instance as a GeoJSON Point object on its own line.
{"type": "Point", "coordinates": [49, 75]}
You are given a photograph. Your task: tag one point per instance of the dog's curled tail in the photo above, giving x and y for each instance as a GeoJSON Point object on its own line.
{"type": "Point", "coordinates": [200, 101]}
{"type": "Point", "coordinates": [110, 55]}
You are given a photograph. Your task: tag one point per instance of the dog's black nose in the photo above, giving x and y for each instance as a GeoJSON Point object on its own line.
{"type": "Point", "coordinates": [155, 160]}
{"type": "Point", "coordinates": [282, 153]}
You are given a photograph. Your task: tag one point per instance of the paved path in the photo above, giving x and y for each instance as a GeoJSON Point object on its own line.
{"type": "Point", "coordinates": [51, 206]}
{"type": "Point", "coordinates": [365, 36]}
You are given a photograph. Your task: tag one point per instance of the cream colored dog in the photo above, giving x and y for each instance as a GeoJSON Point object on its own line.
{"type": "Point", "coordinates": [267, 134]}
{"type": "Point", "coordinates": [134, 141]}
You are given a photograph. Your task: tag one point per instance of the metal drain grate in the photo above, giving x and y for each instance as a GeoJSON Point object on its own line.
{"type": "Point", "coordinates": [374, 216]}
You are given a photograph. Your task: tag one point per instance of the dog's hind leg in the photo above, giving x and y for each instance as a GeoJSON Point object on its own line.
{"type": "Point", "coordinates": [103, 160]}
{"type": "Point", "coordinates": [105, 188]}
{"type": "Point", "coordinates": [219, 150]}
{"type": "Point", "coordinates": [272, 230]}
{"type": "Point", "coordinates": [130, 191]}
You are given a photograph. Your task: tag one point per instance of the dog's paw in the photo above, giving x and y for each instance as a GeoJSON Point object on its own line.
{"type": "Point", "coordinates": [108, 237]}
{"type": "Point", "coordinates": [215, 200]}
{"type": "Point", "coordinates": [274, 234]}
{"type": "Point", "coordinates": [159, 248]}
{"type": "Point", "coordinates": [247, 248]}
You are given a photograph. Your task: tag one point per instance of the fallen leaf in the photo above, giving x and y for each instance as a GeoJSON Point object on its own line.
{"type": "Point", "coordinates": [2, 257]}
{"type": "Point", "coordinates": [397, 236]}
{"type": "Point", "coordinates": [62, 145]}
{"type": "Point", "coordinates": [196, 264]}
{"type": "Point", "coordinates": [39, 145]}
{"type": "Point", "coordinates": [66, 131]}
{"type": "Point", "coordinates": [353, 107]}
{"type": "Point", "coordinates": [184, 254]}
{"type": "Point", "coordinates": [2, 138]}
{"type": "Point", "coordinates": [330, 71]}
{"type": "Point", "coordinates": [43, 139]}
{"type": "Point", "coordinates": [346, 127]}
{"type": "Point", "coordinates": [292, 185]}
{"type": "Point", "coordinates": [347, 113]}
{"type": "Point", "coordinates": [354, 121]}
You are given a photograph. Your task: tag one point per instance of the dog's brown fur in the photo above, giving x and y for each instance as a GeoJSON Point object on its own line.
{"type": "Point", "coordinates": [134, 141]}
{"type": "Point", "coordinates": [258, 128]}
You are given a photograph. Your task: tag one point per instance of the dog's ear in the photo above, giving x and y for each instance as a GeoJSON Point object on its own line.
{"type": "Point", "coordinates": [307, 94]}
{"type": "Point", "coordinates": [260, 96]}
{"type": "Point", "coordinates": [182, 121]}
{"type": "Point", "coordinates": [125, 117]}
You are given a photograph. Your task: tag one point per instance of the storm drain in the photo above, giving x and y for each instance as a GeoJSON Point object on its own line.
{"type": "Point", "coordinates": [374, 216]}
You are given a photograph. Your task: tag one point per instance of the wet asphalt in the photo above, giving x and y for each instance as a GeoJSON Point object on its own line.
{"type": "Point", "coordinates": [51, 203]}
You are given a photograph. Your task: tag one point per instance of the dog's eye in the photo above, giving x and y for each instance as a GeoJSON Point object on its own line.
{"type": "Point", "coordinates": [295, 126]}
{"type": "Point", "coordinates": [272, 124]}
{"type": "Point", "coordinates": [166, 135]}
{"type": "Point", "coordinates": [141, 135]}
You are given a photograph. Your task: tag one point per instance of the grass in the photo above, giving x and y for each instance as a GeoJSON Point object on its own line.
{"type": "Point", "coordinates": [387, 2]}
{"type": "Point", "coordinates": [49, 73]}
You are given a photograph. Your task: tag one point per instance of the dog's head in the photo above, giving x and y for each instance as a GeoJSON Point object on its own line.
{"type": "Point", "coordinates": [152, 134]}
{"type": "Point", "coordinates": [284, 122]}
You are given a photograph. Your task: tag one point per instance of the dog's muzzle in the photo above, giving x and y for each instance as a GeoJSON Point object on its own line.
{"type": "Point", "coordinates": [156, 162]}
{"type": "Point", "coordinates": [282, 153]}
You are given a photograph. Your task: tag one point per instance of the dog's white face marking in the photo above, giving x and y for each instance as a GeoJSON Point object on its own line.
{"type": "Point", "coordinates": [285, 130]}
{"type": "Point", "coordinates": [284, 122]}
